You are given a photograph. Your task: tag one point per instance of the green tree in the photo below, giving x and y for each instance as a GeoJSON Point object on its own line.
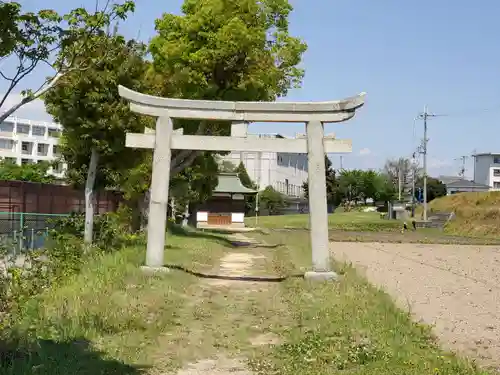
{"type": "Point", "coordinates": [32, 172]}
{"type": "Point", "coordinates": [385, 189]}
{"type": "Point", "coordinates": [232, 50]}
{"type": "Point", "coordinates": [95, 118]}
{"type": "Point", "coordinates": [246, 181]}
{"type": "Point", "coordinates": [333, 195]}
{"type": "Point", "coordinates": [351, 184]}
{"type": "Point", "coordinates": [435, 188]}
{"type": "Point", "coordinates": [272, 200]}
{"type": "Point", "coordinates": [227, 166]}
{"type": "Point", "coordinates": [63, 42]}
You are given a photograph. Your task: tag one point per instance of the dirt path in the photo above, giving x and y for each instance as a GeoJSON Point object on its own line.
{"type": "Point", "coordinates": [455, 288]}
{"type": "Point", "coordinates": [223, 319]}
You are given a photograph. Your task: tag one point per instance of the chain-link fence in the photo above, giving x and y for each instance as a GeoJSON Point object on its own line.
{"type": "Point", "coordinates": [20, 231]}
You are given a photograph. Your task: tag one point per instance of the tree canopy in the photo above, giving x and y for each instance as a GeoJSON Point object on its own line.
{"type": "Point", "coordinates": [231, 50]}
{"type": "Point", "coordinates": [32, 172]}
{"type": "Point", "coordinates": [435, 188]}
{"type": "Point", "coordinates": [93, 114]}
{"type": "Point", "coordinates": [66, 43]}
{"type": "Point", "coordinates": [355, 185]}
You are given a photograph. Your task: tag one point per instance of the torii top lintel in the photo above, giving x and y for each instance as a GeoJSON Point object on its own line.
{"type": "Point", "coordinates": [331, 111]}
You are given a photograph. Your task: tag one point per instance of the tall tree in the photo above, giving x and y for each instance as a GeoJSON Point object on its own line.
{"type": "Point", "coordinates": [95, 118]}
{"type": "Point", "coordinates": [66, 43]}
{"type": "Point", "coordinates": [246, 181]}
{"type": "Point", "coordinates": [231, 50]}
{"type": "Point", "coordinates": [401, 168]}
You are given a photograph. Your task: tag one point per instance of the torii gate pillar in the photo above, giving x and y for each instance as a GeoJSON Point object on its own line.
{"type": "Point", "coordinates": [315, 144]}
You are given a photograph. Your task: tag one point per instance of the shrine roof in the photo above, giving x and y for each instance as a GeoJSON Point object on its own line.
{"type": "Point", "coordinates": [231, 183]}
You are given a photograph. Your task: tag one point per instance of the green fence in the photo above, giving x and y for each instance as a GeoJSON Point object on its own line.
{"type": "Point", "coordinates": [21, 231]}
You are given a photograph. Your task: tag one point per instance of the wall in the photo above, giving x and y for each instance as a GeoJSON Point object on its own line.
{"type": "Point", "coordinates": [270, 168]}
{"type": "Point", "coordinates": [18, 196]}
{"type": "Point", "coordinates": [482, 169]}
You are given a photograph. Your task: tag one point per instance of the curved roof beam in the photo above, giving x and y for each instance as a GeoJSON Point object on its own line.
{"type": "Point", "coordinates": [331, 111]}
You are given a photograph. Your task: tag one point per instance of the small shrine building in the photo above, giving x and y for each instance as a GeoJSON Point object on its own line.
{"type": "Point", "coordinates": [226, 207]}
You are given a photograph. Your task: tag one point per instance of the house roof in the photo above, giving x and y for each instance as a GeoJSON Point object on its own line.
{"type": "Point", "coordinates": [466, 184]}
{"type": "Point", "coordinates": [449, 179]}
{"type": "Point", "coordinates": [486, 154]}
{"type": "Point", "coordinates": [231, 183]}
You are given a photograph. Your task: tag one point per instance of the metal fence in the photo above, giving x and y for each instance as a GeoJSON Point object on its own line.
{"type": "Point", "coordinates": [22, 231]}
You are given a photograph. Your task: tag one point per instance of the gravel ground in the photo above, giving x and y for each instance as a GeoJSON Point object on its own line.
{"type": "Point", "coordinates": [455, 288]}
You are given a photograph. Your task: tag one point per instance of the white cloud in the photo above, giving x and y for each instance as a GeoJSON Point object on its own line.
{"type": "Point", "coordinates": [365, 151]}
{"type": "Point", "coordinates": [31, 111]}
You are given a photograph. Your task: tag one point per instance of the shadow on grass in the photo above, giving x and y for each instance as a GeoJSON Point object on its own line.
{"type": "Point", "coordinates": [50, 357]}
{"type": "Point", "coordinates": [177, 230]}
{"type": "Point", "coordinates": [220, 237]}
{"type": "Point", "coordinates": [267, 279]}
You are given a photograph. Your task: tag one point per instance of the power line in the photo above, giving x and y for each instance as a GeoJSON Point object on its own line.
{"type": "Point", "coordinates": [467, 113]}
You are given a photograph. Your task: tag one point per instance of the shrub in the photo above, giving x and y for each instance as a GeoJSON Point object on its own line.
{"type": "Point", "coordinates": [111, 229]}
{"type": "Point", "coordinates": [64, 255]}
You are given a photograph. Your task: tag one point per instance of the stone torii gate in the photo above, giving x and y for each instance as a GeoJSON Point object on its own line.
{"type": "Point", "coordinates": [314, 143]}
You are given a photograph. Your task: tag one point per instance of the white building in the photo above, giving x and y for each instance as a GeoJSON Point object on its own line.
{"type": "Point", "coordinates": [25, 141]}
{"type": "Point", "coordinates": [487, 170]}
{"type": "Point", "coordinates": [284, 172]}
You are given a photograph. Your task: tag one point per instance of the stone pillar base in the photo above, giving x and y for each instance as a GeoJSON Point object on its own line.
{"type": "Point", "coordinates": [154, 270]}
{"type": "Point", "coordinates": [321, 275]}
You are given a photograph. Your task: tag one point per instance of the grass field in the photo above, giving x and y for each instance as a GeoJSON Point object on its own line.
{"type": "Point", "coordinates": [349, 221]}
{"type": "Point", "coordinates": [477, 214]}
{"type": "Point", "coordinates": [112, 319]}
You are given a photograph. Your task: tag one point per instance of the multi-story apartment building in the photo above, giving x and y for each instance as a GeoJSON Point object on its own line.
{"type": "Point", "coordinates": [487, 169]}
{"type": "Point", "coordinates": [284, 172]}
{"type": "Point", "coordinates": [25, 141]}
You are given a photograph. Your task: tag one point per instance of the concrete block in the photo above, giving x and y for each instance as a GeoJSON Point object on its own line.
{"type": "Point", "coordinates": [321, 275]}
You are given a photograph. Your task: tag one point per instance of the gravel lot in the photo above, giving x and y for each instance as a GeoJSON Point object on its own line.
{"type": "Point", "coordinates": [455, 288]}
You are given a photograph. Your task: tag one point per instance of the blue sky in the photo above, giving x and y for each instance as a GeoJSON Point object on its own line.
{"type": "Point", "coordinates": [444, 54]}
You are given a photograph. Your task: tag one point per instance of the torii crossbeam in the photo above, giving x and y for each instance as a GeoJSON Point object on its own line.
{"type": "Point", "coordinates": [315, 144]}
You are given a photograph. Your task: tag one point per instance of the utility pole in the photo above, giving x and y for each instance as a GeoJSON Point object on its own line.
{"type": "Point", "coordinates": [413, 176]}
{"type": "Point", "coordinates": [474, 152]}
{"type": "Point", "coordinates": [463, 158]}
{"type": "Point", "coordinates": [400, 179]}
{"type": "Point", "coordinates": [425, 116]}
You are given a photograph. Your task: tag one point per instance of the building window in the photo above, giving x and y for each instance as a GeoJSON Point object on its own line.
{"type": "Point", "coordinates": [25, 161]}
{"type": "Point", "coordinates": [42, 149]}
{"type": "Point", "coordinates": [496, 185]}
{"type": "Point", "coordinates": [26, 147]}
{"type": "Point", "coordinates": [496, 172]}
{"type": "Point", "coordinates": [55, 150]}
{"type": "Point", "coordinates": [54, 133]}
{"type": "Point", "coordinates": [7, 127]}
{"type": "Point", "coordinates": [23, 129]}
{"type": "Point", "coordinates": [38, 131]}
{"type": "Point", "coordinates": [6, 144]}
